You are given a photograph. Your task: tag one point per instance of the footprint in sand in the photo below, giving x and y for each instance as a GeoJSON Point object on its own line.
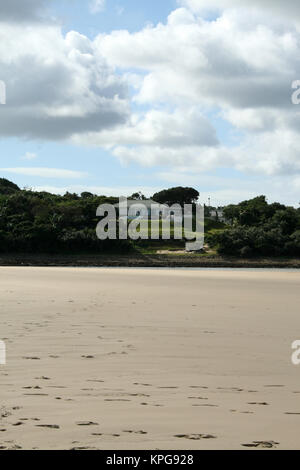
{"type": "Point", "coordinates": [208, 405]}
{"type": "Point", "coordinates": [197, 398]}
{"type": "Point", "coordinates": [143, 385]}
{"type": "Point", "coordinates": [49, 426]}
{"type": "Point", "coordinates": [260, 404]}
{"type": "Point", "coordinates": [32, 358]}
{"type": "Point", "coordinates": [31, 419]}
{"type": "Point", "coordinates": [168, 388]}
{"type": "Point", "coordinates": [117, 399]}
{"type": "Point", "coordinates": [262, 444]}
{"type": "Point", "coordinates": [195, 437]}
{"type": "Point", "coordinates": [4, 413]}
{"type": "Point", "coordinates": [135, 432]}
{"type": "Point", "coordinates": [198, 386]}
{"type": "Point", "coordinates": [87, 423]}
{"type": "Point", "coordinates": [231, 389]}
{"type": "Point", "coordinates": [139, 395]}
{"type": "Point", "coordinates": [274, 386]}
{"type": "Point", "coordinates": [83, 448]}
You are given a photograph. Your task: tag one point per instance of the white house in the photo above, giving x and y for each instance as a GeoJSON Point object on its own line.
{"type": "Point", "coordinates": [146, 209]}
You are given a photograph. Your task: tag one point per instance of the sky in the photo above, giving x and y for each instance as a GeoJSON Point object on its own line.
{"type": "Point", "coordinates": [119, 96]}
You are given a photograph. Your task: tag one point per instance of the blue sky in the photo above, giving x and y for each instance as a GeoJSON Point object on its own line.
{"type": "Point", "coordinates": [131, 15]}
{"type": "Point", "coordinates": [185, 105]}
{"type": "Point", "coordinates": [103, 170]}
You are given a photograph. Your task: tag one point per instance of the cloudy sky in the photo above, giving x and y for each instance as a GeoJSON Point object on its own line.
{"type": "Point", "coordinates": [115, 96]}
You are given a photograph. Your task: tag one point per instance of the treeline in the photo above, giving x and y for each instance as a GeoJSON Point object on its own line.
{"type": "Point", "coordinates": [257, 228]}
{"type": "Point", "coordinates": [40, 222]}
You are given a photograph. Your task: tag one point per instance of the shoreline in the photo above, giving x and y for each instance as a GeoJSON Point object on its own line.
{"type": "Point", "coordinates": [145, 261]}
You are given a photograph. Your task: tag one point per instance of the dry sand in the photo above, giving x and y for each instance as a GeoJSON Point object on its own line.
{"type": "Point", "coordinates": [149, 359]}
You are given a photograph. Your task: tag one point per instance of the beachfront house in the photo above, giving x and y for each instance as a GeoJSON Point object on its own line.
{"type": "Point", "coordinates": [145, 209]}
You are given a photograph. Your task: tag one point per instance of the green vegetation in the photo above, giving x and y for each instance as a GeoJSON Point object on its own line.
{"type": "Point", "coordinates": [7, 187]}
{"type": "Point", "coordinates": [40, 222]}
{"type": "Point", "coordinates": [259, 229]}
{"type": "Point", "coordinates": [177, 195]}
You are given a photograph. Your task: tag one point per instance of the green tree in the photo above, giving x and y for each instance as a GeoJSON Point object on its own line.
{"type": "Point", "coordinates": [177, 195]}
{"type": "Point", "coordinates": [7, 187]}
{"type": "Point", "coordinates": [138, 197]}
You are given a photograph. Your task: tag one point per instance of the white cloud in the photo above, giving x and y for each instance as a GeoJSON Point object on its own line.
{"type": "Point", "coordinates": [29, 156]}
{"type": "Point", "coordinates": [176, 129]}
{"type": "Point", "coordinates": [186, 76]}
{"type": "Point", "coordinates": [96, 6]}
{"type": "Point", "coordinates": [160, 138]}
{"type": "Point", "coordinates": [24, 10]}
{"type": "Point", "coordinates": [288, 8]}
{"type": "Point", "coordinates": [240, 65]}
{"type": "Point", "coordinates": [116, 191]}
{"type": "Point", "coordinates": [45, 172]}
{"type": "Point", "coordinates": [56, 85]}
{"type": "Point", "coordinates": [233, 61]}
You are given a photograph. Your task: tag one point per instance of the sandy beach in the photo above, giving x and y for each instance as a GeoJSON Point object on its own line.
{"type": "Point", "coordinates": [149, 359]}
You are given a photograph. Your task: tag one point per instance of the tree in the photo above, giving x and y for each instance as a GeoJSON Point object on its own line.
{"type": "Point", "coordinates": [40, 222]}
{"type": "Point", "coordinates": [232, 214]}
{"type": "Point", "coordinates": [70, 196]}
{"type": "Point", "coordinates": [259, 229]}
{"type": "Point", "coordinates": [287, 220]}
{"type": "Point", "coordinates": [7, 187]}
{"type": "Point", "coordinates": [138, 197]}
{"type": "Point", "coordinates": [86, 195]}
{"type": "Point", "coordinates": [177, 195]}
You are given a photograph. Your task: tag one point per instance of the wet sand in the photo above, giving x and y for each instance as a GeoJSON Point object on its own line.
{"type": "Point", "coordinates": [149, 359]}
